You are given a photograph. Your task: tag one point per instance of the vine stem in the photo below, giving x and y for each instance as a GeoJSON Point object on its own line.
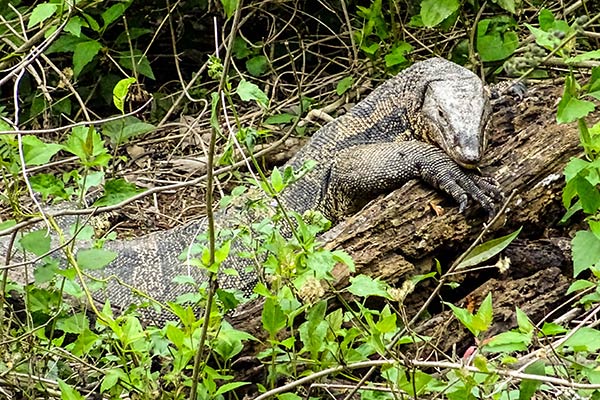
{"type": "Point", "coordinates": [426, 364]}
{"type": "Point", "coordinates": [209, 197]}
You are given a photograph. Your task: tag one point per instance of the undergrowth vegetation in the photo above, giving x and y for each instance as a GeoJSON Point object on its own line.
{"type": "Point", "coordinates": [104, 105]}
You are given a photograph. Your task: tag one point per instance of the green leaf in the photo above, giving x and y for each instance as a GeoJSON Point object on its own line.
{"type": "Point", "coordinates": [74, 26]}
{"type": "Point", "coordinates": [285, 118]}
{"type": "Point", "coordinates": [249, 91]}
{"type": "Point", "coordinates": [344, 85]}
{"type": "Point", "coordinates": [142, 65]}
{"type": "Point", "coordinates": [230, 341]}
{"type": "Point", "coordinates": [92, 22]}
{"type": "Point", "coordinates": [114, 12]}
{"type": "Point", "coordinates": [508, 342]}
{"type": "Point", "coordinates": [496, 43]}
{"type": "Point", "coordinates": [120, 92]}
{"type": "Point", "coordinates": [37, 152]}
{"type": "Point", "coordinates": [257, 66]}
{"type": "Point", "coordinates": [585, 247]}
{"type": "Point", "coordinates": [121, 130]}
{"type": "Point", "coordinates": [84, 343]}
{"type": "Point", "coordinates": [84, 53]}
{"type": "Point", "coordinates": [222, 252]}
{"type": "Point", "coordinates": [41, 13]}
{"type": "Point", "coordinates": [117, 190]}
{"type": "Point", "coordinates": [67, 392]}
{"type": "Point", "coordinates": [38, 242]}
{"type": "Point", "coordinates": [111, 378]}
{"type": "Point", "coordinates": [545, 39]}
{"type": "Point", "coordinates": [584, 339]}
{"type": "Point", "coordinates": [588, 55]}
{"type": "Point", "coordinates": [370, 49]}
{"type": "Point", "coordinates": [487, 250]}
{"type": "Point", "coordinates": [480, 322]}
{"type": "Point", "coordinates": [508, 5]}
{"type": "Point", "coordinates": [46, 272]}
{"type": "Point", "coordinates": [176, 335]}
{"type": "Point", "coordinates": [289, 396]}
{"type": "Point", "coordinates": [365, 286]}
{"type": "Point", "coordinates": [344, 258]}
{"type": "Point", "coordinates": [76, 323]}
{"type": "Point", "coordinates": [273, 318]}
{"type": "Point", "coordinates": [546, 19]}
{"type": "Point", "coordinates": [85, 143]}
{"type": "Point", "coordinates": [434, 12]}
{"type": "Point", "coordinates": [65, 44]}
{"type": "Point", "coordinates": [587, 193]}
{"type": "Point", "coordinates": [580, 284]}
{"type": "Point", "coordinates": [228, 387]}
{"type": "Point", "coordinates": [528, 387]}
{"type": "Point", "coordinates": [397, 55]}
{"type": "Point", "coordinates": [229, 6]}
{"type": "Point", "coordinates": [277, 180]}
{"type": "Point", "coordinates": [552, 329]}
{"type": "Point", "coordinates": [485, 313]}
{"type": "Point", "coordinates": [91, 259]}
{"type": "Point", "coordinates": [525, 325]}
{"type": "Point", "coordinates": [240, 48]}
{"type": "Point", "coordinates": [314, 330]}
{"type": "Point", "coordinates": [571, 109]}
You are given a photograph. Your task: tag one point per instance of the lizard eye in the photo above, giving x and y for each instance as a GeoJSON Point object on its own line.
{"type": "Point", "coordinates": [441, 114]}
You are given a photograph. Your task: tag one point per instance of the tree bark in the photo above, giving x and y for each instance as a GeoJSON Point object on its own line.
{"type": "Point", "coordinates": [401, 234]}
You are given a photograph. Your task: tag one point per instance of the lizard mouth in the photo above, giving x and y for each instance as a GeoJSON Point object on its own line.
{"type": "Point", "coordinates": [467, 165]}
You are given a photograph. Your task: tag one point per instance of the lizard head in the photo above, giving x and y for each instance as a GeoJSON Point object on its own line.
{"type": "Point", "coordinates": [455, 112]}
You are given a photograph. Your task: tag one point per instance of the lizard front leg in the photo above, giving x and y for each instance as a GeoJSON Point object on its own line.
{"type": "Point", "coordinates": [362, 172]}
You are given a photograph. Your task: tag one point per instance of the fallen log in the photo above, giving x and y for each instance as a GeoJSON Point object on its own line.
{"type": "Point", "coordinates": [399, 235]}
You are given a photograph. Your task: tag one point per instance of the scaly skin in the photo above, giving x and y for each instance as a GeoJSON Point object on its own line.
{"type": "Point", "coordinates": [426, 123]}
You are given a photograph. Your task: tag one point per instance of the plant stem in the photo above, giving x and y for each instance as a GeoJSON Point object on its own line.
{"type": "Point", "coordinates": [209, 200]}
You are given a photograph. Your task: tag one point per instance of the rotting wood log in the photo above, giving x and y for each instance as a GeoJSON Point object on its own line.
{"type": "Point", "coordinates": [400, 234]}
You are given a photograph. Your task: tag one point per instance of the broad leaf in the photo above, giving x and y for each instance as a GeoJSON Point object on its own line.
{"type": "Point", "coordinates": [91, 259]}
{"type": "Point", "coordinates": [37, 152]}
{"type": "Point", "coordinates": [36, 242]}
{"type": "Point", "coordinates": [433, 12]}
{"type": "Point", "coordinates": [585, 247]}
{"type": "Point", "coordinates": [249, 91]}
{"type": "Point", "coordinates": [257, 66]}
{"type": "Point", "coordinates": [571, 109]}
{"type": "Point", "coordinates": [114, 12]}
{"type": "Point", "coordinates": [83, 54]}
{"type": "Point", "coordinates": [397, 55]}
{"type": "Point", "coordinates": [584, 339]}
{"type": "Point", "coordinates": [344, 85]}
{"type": "Point", "coordinates": [121, 130]}
{"type": "Point", "coordinates": [67, 392]}
{"type": "Point", "coordinates": [528, 387]}
{"type": "Point", "coordinates": [487, 250]}
{"type": "Point", "coordinates": [365, 286]}
{"type": "Point", "coordinates": [120, 92]}
{"type": "Point", "coordinates": [48, 185]}
{"type": "Point", "coordinates": [117, 190]}
{"type": "Point", "coordinates": [229, 6]}
{"type": "Point", "coordinates": [142, 65]}
{"type": "Point", "coordinates": [507, 342]}
{"type": "Point", "coordinates": [40, 13]}
{"type": "Point", "coordinates": [508, 5]}
{"type": "Point", "coordinates": [496, 46]}
{"type": "Point", "coordinates": [74, 26]}
{"type": "Point", "coordinates": [273, 318]}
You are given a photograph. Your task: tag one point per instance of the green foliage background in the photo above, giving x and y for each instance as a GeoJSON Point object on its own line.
{"type": "Point", "coordinates": [87, 81]}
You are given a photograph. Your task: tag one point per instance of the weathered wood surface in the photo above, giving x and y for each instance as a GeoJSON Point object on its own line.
{"type": "Point", "coordinates": [399, 235]}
